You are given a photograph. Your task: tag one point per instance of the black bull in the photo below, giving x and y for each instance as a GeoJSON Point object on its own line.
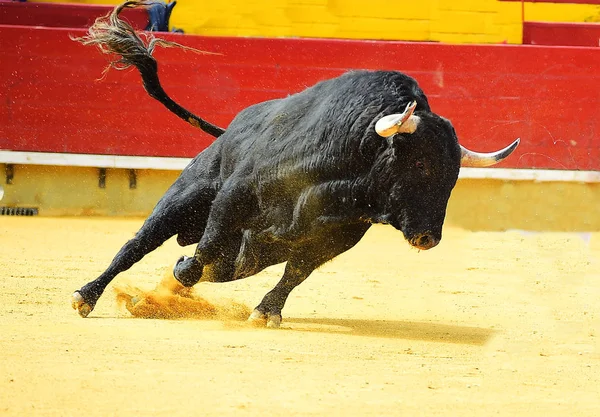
{"type": "Point", "coordinates": [297, 180]}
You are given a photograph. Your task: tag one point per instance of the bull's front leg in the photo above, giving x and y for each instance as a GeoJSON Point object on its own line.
{"type": "Point", "coordinates": [269, 310]}
{"type": "Point", "coordinates": [323, 247]}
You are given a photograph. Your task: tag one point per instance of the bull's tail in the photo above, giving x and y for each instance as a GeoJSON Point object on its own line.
{"type": "Point", "coordinates": [115, 36]}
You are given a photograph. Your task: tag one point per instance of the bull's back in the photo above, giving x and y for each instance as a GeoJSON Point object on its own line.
{"type": "Point", "coordinates": [330, 119]}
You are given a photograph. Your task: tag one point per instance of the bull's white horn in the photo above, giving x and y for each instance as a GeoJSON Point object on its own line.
{"type": "Point", "coordinates": [404, 122]}
{"type": "Point", "coordinates": [477, 159]}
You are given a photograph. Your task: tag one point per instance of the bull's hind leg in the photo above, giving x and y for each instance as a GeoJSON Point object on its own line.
{"type": "Point", "coordinates": [183, 209]}
{"type": "Point", "coordinates": [152, 234]}
{"type": "Point", "coordinates": [222, 237]}
{"type": "Point", "coordinates": [301, 264]}
{"type": "Point", "coordinates": [189, 272]}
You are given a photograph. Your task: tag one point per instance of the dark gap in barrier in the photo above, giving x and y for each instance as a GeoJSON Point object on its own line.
{"type": "Point", "coordinates": [18, 211]}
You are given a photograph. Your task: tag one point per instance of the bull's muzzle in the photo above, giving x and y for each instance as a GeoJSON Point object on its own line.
{"type": "Point", "coordinates": [424, 241]}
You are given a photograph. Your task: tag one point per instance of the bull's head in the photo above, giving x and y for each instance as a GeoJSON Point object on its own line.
{"type": "Point", "coordinates": [407, 122]}
{"type": "Point", "coordinates": [425, 159]}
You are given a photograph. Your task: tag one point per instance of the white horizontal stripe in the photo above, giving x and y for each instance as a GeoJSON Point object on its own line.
{"type": "Point", "coordinates": [177, 164]}
{"type": "Point", "coordinates": [539, 175]}
{"type": "Point", "coordinates": [98, 161]}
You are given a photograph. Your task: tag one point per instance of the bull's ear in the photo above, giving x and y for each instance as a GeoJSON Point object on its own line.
{"type": "Point", "coordinates": [405, 122]}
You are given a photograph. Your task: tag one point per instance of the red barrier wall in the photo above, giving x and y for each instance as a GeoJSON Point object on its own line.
{"type": "Point", "coordinates": [558, 33]}
{"type": "Point", "coordinates": [52, 101]}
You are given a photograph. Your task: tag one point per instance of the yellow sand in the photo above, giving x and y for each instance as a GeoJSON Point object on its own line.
{"type": "Point", "coordinates": [488, 323]}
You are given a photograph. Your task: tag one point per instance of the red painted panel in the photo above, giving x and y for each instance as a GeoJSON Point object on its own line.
{"type": "Point", "coordinates": [565, 34]}
{"type": "Point", "coordinates": [63, 15]}
{"type": "Point", "coordinates": [52, 99]}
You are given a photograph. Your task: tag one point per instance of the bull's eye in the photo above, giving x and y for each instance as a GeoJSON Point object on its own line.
{"type": "Point", "coordinates": [420, 165]}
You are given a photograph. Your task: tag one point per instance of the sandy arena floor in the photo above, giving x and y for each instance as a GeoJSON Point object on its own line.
{"type": "Point", "coordinates": [485, 324]}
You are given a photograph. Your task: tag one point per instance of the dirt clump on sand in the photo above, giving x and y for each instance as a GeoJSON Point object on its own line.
{"type": "Point", "coordinates": [171, 300]}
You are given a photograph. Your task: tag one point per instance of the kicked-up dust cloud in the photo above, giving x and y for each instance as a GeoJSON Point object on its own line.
{"type": "Point", "coordinates": [171, 300]}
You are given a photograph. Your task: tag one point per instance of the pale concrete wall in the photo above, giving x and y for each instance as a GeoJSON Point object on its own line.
{"type": "Point", "coordinates": [74, 191]}
{"type": "Point", "coordinates": [476, 204]}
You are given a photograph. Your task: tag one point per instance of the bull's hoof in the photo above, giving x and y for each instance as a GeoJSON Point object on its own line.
{"type": "Point", "coordinates": [274, 321]}
{"type": "Point", "coordinates": [260, 319]}
{"type": "Point", "coordinates": [187, 271]}
{"type": "Point", "coordinates": [257, 318]}
{"type": "Point", "coordinates": [79, 304]}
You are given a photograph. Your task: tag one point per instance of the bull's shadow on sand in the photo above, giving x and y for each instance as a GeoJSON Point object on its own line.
{"type": "Point", "coordinates": [165, 302]}
{"type": "Point", "coordinates": [390, 329]}
{"type": "Point", "coordinates": [394, 329]}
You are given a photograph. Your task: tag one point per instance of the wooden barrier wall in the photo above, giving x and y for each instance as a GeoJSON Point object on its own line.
{"type": "Point", "coordinates": [52, 99]}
